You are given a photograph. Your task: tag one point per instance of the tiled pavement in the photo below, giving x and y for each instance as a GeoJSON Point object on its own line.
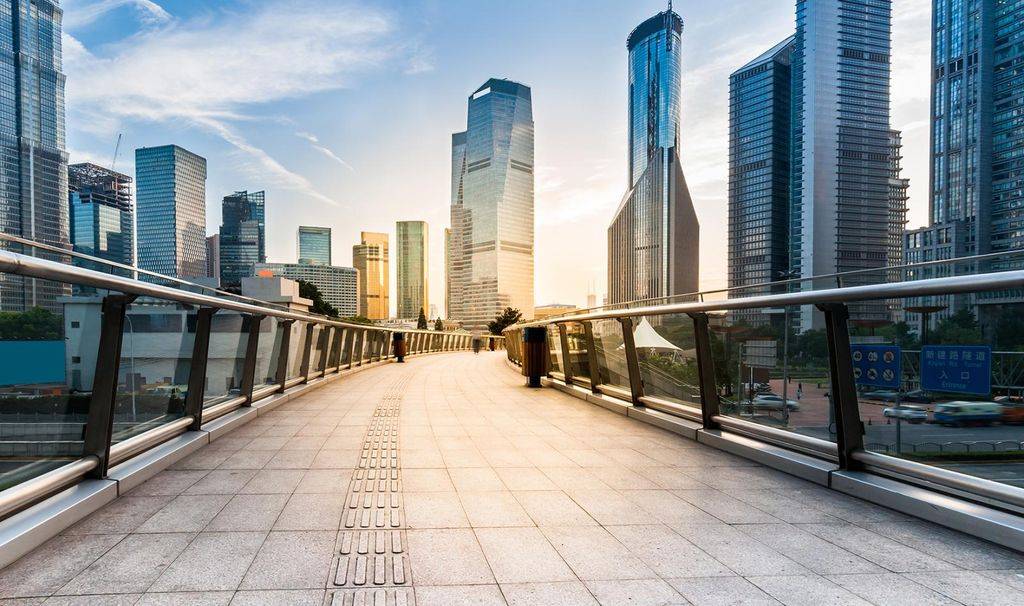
{"type": "Point", "coordinates": [500, 495]}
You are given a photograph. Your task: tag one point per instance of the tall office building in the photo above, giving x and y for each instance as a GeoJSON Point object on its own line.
{"type": "Point", "coordinates": [898, 196]}
{"type": "Point", "coordinates": [242, 236]}
{"type": "Point", "coordinates": [760, 130]}
{"type": "Point", "coordinates": [411, 248]}
{"type": "Point", "coordinates": [653, 240]}
{"type": "Point", "coordinates": [102, 215]}
{"type": "Point", "coordinates": [338, 285]}
{"type": "Point", "coordinates": [33, 159]}
{"type": "Point", "coordinates": [213, 257]}
{"type": "Point", "coordinates": [447, 272]}
{"type": "Point", "coordinates": [839, 212]}
{"type": "Point", "coordinates": [977, 169]}
{"type": "Point", "coordinates": [491, 247]}
{"type": "Point", "coordinates": [314, 245]}
{"type": "Point", "coordinates": [370, 258]}
{"type": "Point", "coordinates": [170, 184]}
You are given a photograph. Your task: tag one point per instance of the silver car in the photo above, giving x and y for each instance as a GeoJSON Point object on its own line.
{"type": "Point", "coordinates": [770, 401]}
{"type": "Point", "coordinates": [913, 414]}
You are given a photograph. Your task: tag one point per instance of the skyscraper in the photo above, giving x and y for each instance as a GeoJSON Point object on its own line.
{"type": "Point", "coordinates": [171, 191]}
{"type": "Point", "coordinates": [314, 245]}
{"type": "Point", "coordinates": [102, 214]}
{"type": "Point", "coordinates": [242, 236]}
{"type": "Point", "coordinates": [213, 257]}
{"type": "Point", "coordinates": [653, 240]}
{"type": "Point", "coordinates": [898, 197]}
{"type": "Point", "coordinates": [491, 248]}
{"type": "Point", "coordinates": [447, 272]}
{"type": "Point", "coordinates": [411, 247]}
{"type": "Point", "coordinates": [839, 212]}
{"type": "Point", "coordinates": [33, 160]}
{"type": "Point", "coordinates": [759, 172]}
{"type": "Point", "coordinates": [370, 258]}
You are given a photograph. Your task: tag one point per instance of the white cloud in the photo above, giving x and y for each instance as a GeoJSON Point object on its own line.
{"type": "Point", "coordinates": [315, 142]}
{"type": "Point", "coordinates": [78, 14]}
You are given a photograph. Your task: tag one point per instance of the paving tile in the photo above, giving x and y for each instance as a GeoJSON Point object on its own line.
{"type": "Point", "coordinates": [524, 478]}
{"type": "Point", "coordinates": [816, 554]}
{"type": "Point", "coordinates": [665, 507]}
{"type": "Point", "coordinates": [203, 459]}
{"type": "Point", "coordinates": [186, 513]}
{"type": "Point", "coordinates": [522, 555]}
{"type": "Point", "coordinates": [311, 512]}
{"type": "Point", "coordinates": [493, 508]}
{"type": "Point", "coordinates": [292, 560]}
{"type": "Point", "coordinates": [725, 507]}
{"type": "Point", "coordinates": [335, 459]}
{"type": "Point", "coordinates": [422, 458]}
{"type": "Point", "coordinates": [249, 512]}
{"type": "Point", "coordinates": [222, 481]}
{"type": "Point", "coordinates": [667, 553]}
{"type": "Point", "coordinates": [54, 563]}
{"type": "Point", "coordinates": [475, 479]}
{"type": "Point", "coordinates": [505, 458]}
{"type": "Point", "coordinates": [214, 561]}
{"type": "Point", "coordinates": [447, 557]}
{"type": "Point", "coordinates": [715, 591]}
{"type": "Point", "coordinates": [247, 459]}
{"type": "Point", "coordinates": [876, 548]}
{"type": "Point", "coordinates": [130, 566]}
{"type": "Point", "coordinates": [434, 510]}
{"type": "Point", "coordinates": [623, 478]}
{"type": "Point", "coordinates": [609, 507]}
{"type": "Point", "coordinates": [571, 593]}
{"type": "Point", "coordinates": [170, 482]}
{"type": "Point", "coordinates": [273, 481]}
{"type": "Point", "coordinates": [266, 443]}
{"type": "Point", "coordinates": [594, 554]}
{"type": "Point", "coordinates": [955, 547]}
{"type": "Point", "coordinates": [741, 553]}
{"type": "Point", "coordinates": [325, 481]}
{"type": "Point", "coordinates": [188, 598]}
{"type": "Point", "coordinates": [969, 588]}
{"type": "Point", "coordinates": [889, 588]}
{"type": "Point", "coordinates": [280, 597]}
{"type": "Point", "coordinates": [125, 599]}
{"type": "Point", "coordinates": [426, 480]}
{"type": "Point", "coordinates": [292, 459]}
{"type": "Point", "coordinates": [782, 507]}
{"type": "Point", "coordinates": [553, 508]}
{"type": "Point", "coordinates": [807, 590]}
{"type": "Point", "coordinates": [645, 592]}
{"type": "Point", "coordinates": [121, 516]}
{"type": "Point", "coordinates": [573, 478]}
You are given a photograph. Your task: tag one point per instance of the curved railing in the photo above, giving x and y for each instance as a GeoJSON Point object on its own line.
{"type": "Point", "coordinates": [100, 368]}
{"type": "Point", "coordinates": [789, 369]}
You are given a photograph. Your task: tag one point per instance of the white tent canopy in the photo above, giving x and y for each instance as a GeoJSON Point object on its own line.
{"type": "Point", "coordinates": [645, 337]}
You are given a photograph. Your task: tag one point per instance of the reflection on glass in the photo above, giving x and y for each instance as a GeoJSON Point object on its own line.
{"type": "Point", "coordinates": [666, 353]}
{"type": "Point", "coordinates": [317, 351]}
{"type": "Point", "coordinates": [346, 346]}
{"type": "Point", "coordinates": [268, 350]}
{"type": "Point", "coordinates": [610, 352]}
{"type": "Point", "coordinates": [229, 336]}
{"type": "Point", "coordinates": [555, 347]}
{"type": "Point", "coordinates": [579, 363]}
{"type": "Point", "coordinates": [296, 349]}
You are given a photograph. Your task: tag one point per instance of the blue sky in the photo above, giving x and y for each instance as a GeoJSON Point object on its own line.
{"type": "Point", "coordinates": [343, 110]}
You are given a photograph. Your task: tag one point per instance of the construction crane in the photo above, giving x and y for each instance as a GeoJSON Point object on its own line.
{"type": "Point", "coordinates": [117, 148]}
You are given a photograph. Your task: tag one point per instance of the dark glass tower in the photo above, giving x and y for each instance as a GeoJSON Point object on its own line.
{"type": "Point", "coordinates": [242, 236]}
{"type": "Point", "coordinates": [102, 213]}
{"type": "Point", "coordinates": [653, 240]}
{"type": "Point", "coordinates": [33, 160]}
{"type": "Point", "coordinates": [314, 245]}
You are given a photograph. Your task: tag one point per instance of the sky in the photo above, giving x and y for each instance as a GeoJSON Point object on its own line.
{"type": "Point", "coordinates": [343, 110]}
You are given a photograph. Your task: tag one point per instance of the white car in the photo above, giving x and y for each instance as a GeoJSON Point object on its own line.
{"type": "Point", "coordinates": [913, 414]}
{"type": "Point", "coordinates": [771, 401]}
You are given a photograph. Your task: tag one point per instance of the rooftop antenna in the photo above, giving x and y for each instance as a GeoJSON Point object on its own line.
{"type": "Point", "coordinates": [668, 26]}
{"type": "Point", "coordinates": [117, 148]}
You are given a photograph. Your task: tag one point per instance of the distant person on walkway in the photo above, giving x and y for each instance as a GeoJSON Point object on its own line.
{"type": "Point", "coordinates": [476, 345]}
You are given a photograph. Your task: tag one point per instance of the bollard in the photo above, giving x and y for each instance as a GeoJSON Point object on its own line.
{"type": "Point", "coordinates": [535, 354]}
{"type": "Point", "coordinates": [398, 345]}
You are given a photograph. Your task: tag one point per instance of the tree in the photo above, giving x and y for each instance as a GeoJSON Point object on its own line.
{"type": "Point", "coordinates": [308, 290]}
{"type": "Point", "coordinates": [961, 328]}
{"type": "Point", "coordinates": [421, 322]}
{"type": "Point", "coordinates": [438, 324]}
{"type": "Point", "coordinates": [36, 324]}
{"type": "Point", "coordinates": [506, 318]}
{"type": "Point", "coordinates": [358, 320]}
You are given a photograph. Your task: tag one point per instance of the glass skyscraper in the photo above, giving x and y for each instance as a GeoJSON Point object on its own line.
{"type": "Point", "coordinates": [411, 248]}
{"type": "Point", "coordinates": [242, 236]}
{"type": "Point", "coordinates": [839, 213]}
{"type": "Point", "coordinates": [491, 244]}
{"type": "Point", "coordinates": [314, 245]}
{"type": "Point", "coordinates": [171, 200]}
{"type": "Point", "coordinates": [760, 131]}
{"type": "Point", "coordinates": [102, 214]}
{"type": "Point", "coordinates": [33, 160]}
{"type": "Point", "coordinates": [370, 258]}
{"type": "Point", "coordinates": [653, 240]}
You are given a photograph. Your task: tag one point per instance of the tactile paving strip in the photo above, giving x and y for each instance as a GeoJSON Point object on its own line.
{"type": "Point", "coordinates": [372, 566]}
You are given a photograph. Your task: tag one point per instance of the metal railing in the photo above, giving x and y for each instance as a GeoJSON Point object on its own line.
{"type": "Point", "coordinates": [340, 346]}
{"type": "Point", "coordinates": [846, 446]}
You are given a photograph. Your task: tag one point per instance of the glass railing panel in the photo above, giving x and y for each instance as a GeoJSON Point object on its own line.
{"type": "Point", "coordinates": [346, 346]}
{"type": "Point", "coordinates": [666, 353]}
{"type": "Point", "coordinates": [49, 360]}
{"type": "Point", "coordinates": [555, 347]}
{"type": "Point", "coordinates": [317, 352]}
{"type": "Point", "coordinates": [229, 336]}
{"type": "Point", "coordinates": [296, 349]}
{"type": "Point", "coordinates": [772, 368]}
{"type": "Point", "coordinates": [610, 351]}
{"type": "Point", "coordinates": [268, 351]}
{"type": "Point", "coordinates": [941, 381]}
{"type": "Point", "coordinates": [156, 360]}
{"type": "Point", "coordinates": [579, 363]}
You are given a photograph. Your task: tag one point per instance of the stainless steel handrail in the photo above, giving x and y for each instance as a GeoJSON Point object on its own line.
{"type": "Point", "coordinates": [39, 487]}
{"type": "Point", "coordinates": [126, 449]}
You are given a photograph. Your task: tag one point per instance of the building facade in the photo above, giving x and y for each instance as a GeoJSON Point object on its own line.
{"type": "Point", "coordinates": [171, 200]}
{"type": "Point", "coordinates": [653, 239]}
{"type": "Point", "coordinates": [338, 285]}
{"type": "Point", "coordinates": [213, 257]}
{"type": "Point", "coordinates": [491, 245]}
{"type": "Point", "coordinates": [899, 195]}
{"type": "Point", "coordinates": [314, 245]}
{"type": "Point", "coordinates": [102, 216]}
{"type": "Point", "coordinates": [370, 258]}
{"type": "Point", "coordinates": [33, 156]}
{"type": "Point", "coordinates": [411, 247]}
{"type": "Point", "coordinates": [760, 131]}
{"type": "Point", "coordinates": [447, 272]}
{"type": "Point", "coordinates": [242, 236]}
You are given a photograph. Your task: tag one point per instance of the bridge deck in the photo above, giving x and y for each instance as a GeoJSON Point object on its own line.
{"type": "Point", "coordinates": [443, 481]}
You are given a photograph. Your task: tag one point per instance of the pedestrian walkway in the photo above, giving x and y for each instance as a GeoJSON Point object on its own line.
{"type": "Point", "coordinates": [444, 481]}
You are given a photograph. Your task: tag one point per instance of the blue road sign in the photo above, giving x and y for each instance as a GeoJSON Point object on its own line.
{"type": "Point", "coordinates": [957, 368]}
{"type": "Point", "coordinates": [876, 365]}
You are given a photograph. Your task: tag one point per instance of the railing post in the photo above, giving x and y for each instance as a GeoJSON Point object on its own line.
{"type": "Point", "coordinates": [595, 372]}
{"type": "Point", "coordinates": [636, 383]}
{"type": "Point", "coordinates": [285, 326]}
{"type": "Point", "coordinates": [359, 345]}
{"type": "Point", "coordinates": [563, 339]}
{"type": "Point", "coordinates": [99, 426]}
{"type": "Point", "coordinates": [326, 338]}
{"type": "Point", "coordinates": [709, 402]}
{"type": "Point", "coordinates": [197, 373]}
{"type": "Point", "coordinates": [307, 351]}
{"type": "Point", "coordinates": [336, 347]}
{"type": "Point", "coordinates": [350, 344]}
{"type": "Point", "coordinates": [843, 390]}
{"type": "Point", "coordinates": [249, 366]}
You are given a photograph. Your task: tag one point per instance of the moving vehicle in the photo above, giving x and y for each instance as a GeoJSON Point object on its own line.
{"type": "Point", "coordinates": [912, 414]}
{"type": "Point", "coordinates": [960, 413]}
{"type": "Point", "coordinates": [770, 401]}
{"type": "Point", "coordinates": [1013, 409]}
{"type": "Point", "coordinates": [918, 396]}
{"type": "Point", "coordinates": [884, 395]}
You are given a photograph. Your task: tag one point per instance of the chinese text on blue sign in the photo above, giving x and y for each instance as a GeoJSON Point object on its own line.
{"type": "Point", "coordinates": [876, 365]}
{"type": "Point", "coordinates": [957, 368]}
